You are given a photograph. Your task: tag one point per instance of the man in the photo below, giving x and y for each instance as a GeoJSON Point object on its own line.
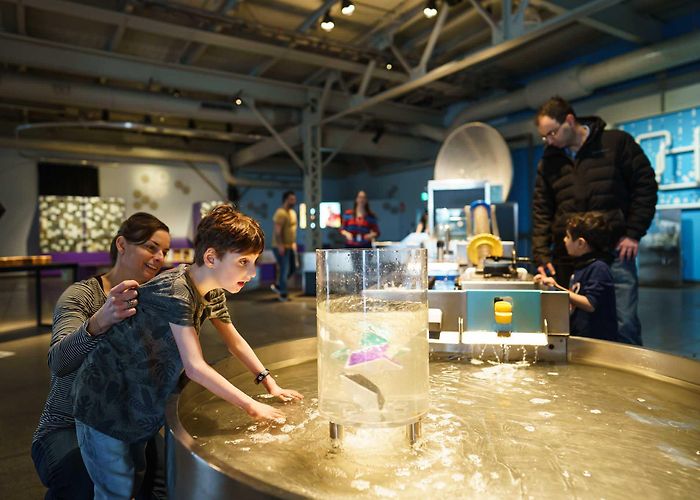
{"type": "Point", "coordinates": [284, 243]}
{"type": "Point", "coordinates": [585, 168]}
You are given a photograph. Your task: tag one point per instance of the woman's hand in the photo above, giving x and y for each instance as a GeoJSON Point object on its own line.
{"type": "Point", "coordinates": [261, 411]}
{"type": "Point", "coordinates": [121, 304]}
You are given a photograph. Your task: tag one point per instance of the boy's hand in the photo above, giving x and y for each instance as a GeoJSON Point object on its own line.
{"type": "Point", "coordinates": [261, 411]}
{"type": "Point", "coordinates": [283, 394]}
{"type": "Point", "coordinates": [545, 280]}
{"type": "Point", "coordinates": [286, 394]}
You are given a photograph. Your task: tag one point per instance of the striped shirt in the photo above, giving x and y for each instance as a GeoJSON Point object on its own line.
{"type": "Point", "coordinates": [359, 227]}
{"type": "Point", "coordinates": [70, 344]}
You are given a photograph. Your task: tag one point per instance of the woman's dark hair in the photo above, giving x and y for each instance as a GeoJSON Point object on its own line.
{"type": "Point", "coordinates": [367, 209]}
{"type": "Point", "coordinates": [557, 108]}
{"type": "Point", "coordinates": [225, 229]}
{"type": "Point", "coordinates": [592, 227]}
{"type": "Point", "coordinates": [137, 230]}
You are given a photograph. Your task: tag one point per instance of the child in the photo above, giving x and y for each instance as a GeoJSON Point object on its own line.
{"type": "Point", "coordinates": [121, 390]}
{"type": "Point", "coordinates": [591, 289]}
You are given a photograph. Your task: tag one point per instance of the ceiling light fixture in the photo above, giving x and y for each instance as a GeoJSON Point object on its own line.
{"type": "Point", "coordinates": [348, 8]}
{"type": "Point", "coordinates": [389, 66]}
{"type": "Point", "coordinates": [430, 9]}
{"type": "Point", "coordinates": [327, 24]}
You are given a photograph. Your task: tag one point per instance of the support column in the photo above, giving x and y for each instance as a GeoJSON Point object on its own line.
{"type": "Point", "coordinates": [311, 141]}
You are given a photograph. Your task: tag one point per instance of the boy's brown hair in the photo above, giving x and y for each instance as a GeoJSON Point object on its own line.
{"type": "Point", "coordinates": [592, 227]}
{"type": "Point", "coordinates": [225, 229]}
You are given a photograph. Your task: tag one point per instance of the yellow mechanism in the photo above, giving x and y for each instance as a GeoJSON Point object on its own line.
{"type": "Point", "coordinates": [484, 245]}
{"type": "Point", "coordinates": [503, 312]}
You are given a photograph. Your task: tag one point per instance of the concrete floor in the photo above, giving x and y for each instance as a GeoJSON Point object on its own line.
{"type": "Point", "coordinates": [670, 319]}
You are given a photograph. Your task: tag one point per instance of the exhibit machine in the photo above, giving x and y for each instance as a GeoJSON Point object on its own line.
{"type": "Point", "coordinates": [471, 388]}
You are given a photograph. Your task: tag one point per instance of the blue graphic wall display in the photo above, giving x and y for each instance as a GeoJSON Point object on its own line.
{"type": "Point", "coordinates": [672, 143]}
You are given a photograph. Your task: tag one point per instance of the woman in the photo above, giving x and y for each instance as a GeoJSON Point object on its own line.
{"type": "Point", "coordinates": [359, 224]}
{"type": "Point", "coordinates": [85, 311]}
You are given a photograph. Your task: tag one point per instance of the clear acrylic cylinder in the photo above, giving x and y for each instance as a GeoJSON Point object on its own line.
{"type": "Point", "coordinates": [372, 318]}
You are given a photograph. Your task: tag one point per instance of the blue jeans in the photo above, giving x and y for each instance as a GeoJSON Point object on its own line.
{"type": "Point", "coordinates": [113, 465]}
{"type": "Point", "coordinates": [286, 266]}
{"type": "Point", "coordinates": [60, 467]}
{"type": "Point", "coordinates": [626, 297]}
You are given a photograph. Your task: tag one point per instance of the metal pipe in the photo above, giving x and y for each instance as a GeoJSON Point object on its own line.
{"type": "Point", "coordinates": [101, 152]}
{"type": "Point", "coordinates": [78, 94]}
{"type": "Point", "coordinates": [582, 81]}
{"type": "Point", "coordinates": [143, 128]}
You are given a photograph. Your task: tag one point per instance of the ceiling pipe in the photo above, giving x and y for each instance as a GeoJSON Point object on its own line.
{"type": "Point", "coordinates": [91, 96]}
{"type": "Point", "coordinates": [213, 135]}
{"type": "Point", "coordinates": [582, 81]}
{"type": "Point", "coordinates": [106, 152]}
{"type": "Point", "coordinates": [28, 88]}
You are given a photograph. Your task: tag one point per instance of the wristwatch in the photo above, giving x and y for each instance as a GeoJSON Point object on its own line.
{"type": "Point", "coordinates": [261, 376]}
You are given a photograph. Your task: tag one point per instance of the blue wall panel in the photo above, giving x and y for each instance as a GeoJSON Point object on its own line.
{"type": "Point", "coordinates": [672, 143]}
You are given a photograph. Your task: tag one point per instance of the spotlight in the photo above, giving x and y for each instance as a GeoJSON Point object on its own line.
{"type": "Point", "coordinates": [327, 24]}
{"type": "Point", "coordinates": [430, 9]}
{"type": "Point", "coordinates": [238, 101]}
{"type": "Point", "coordinates": [348, 8]}
{"type": "Point", "coordinates": [389, 66]}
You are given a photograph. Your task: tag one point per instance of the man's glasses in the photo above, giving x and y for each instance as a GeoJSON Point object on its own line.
{"type": "Point", "coordinates": [551, 133]}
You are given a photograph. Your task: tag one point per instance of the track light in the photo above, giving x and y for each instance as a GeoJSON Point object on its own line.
{"type": "Point", "coordinates": [430, 9]}
{"type": "Point", "coordinates": [327, 24]}
{"type": "Point", "coordinates": [348, 8]}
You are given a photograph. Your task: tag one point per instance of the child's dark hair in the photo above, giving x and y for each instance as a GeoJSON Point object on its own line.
{"type": "Point", "coordinates": [557, 108]}
{"type": "Point", "coordinates": [225, 229]}
{"type": "Point", "coordinates": [136, 230]}
{"type": "Point", "coordinates": [592, 227]}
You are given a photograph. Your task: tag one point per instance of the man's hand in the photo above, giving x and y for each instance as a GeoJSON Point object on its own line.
{"type": "Point", "coordinates": [547, 270]}
{"type": "Point", "coordinates": [121, 303]}
{"type": "Point", "coordinates": [281, 250]}
{"type": "Point", "coordinates": [628, 248]}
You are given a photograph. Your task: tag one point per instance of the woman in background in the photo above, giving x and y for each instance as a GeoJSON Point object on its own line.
{"type": "Point", "coordinates": [359, 224]}
{"type": "Point", "coordinates": [85, 311]}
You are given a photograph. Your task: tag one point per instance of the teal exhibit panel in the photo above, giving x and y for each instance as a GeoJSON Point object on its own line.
{"type": "Point", "coordinates": [672, 143]}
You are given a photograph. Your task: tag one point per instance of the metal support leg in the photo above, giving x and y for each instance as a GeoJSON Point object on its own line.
{"type": "Point", "coordinates": [415, 431]}
{"type": "Point", "coordinates": [336, 431]}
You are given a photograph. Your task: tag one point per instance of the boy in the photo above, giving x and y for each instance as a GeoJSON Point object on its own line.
{"type": "Point", "coordinates": [121, 390]}
{"type": "Point", "coordinates": [591, 288]}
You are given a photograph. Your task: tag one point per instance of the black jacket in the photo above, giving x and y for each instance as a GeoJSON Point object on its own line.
{"type": "Point", "coordinates": [610, 173]}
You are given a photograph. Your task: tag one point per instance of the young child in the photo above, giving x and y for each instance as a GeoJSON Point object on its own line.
{"type": "Point", "coordinates": [121, 389]}
{"type": "Point", "coordinates": [591, 289]}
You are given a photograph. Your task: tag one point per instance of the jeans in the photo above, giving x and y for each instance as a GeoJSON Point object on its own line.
{"type": "Point", "coordinates": [286, 266]}
{"type": "Point", "coordinates": [113, 465]}
{"type": "Point", "coordinates": [624, 274]}
{"type": "Point", "coordinates": [60, 467]}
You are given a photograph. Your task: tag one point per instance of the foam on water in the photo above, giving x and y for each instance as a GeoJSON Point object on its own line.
{"type": "Point", "coordinates": [485, 435]}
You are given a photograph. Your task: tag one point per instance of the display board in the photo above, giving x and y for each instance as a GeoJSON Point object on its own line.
{"type": "Point", "coordinates": [672, 143]}
{"type": "Point", "coordinates": [78, 223]}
